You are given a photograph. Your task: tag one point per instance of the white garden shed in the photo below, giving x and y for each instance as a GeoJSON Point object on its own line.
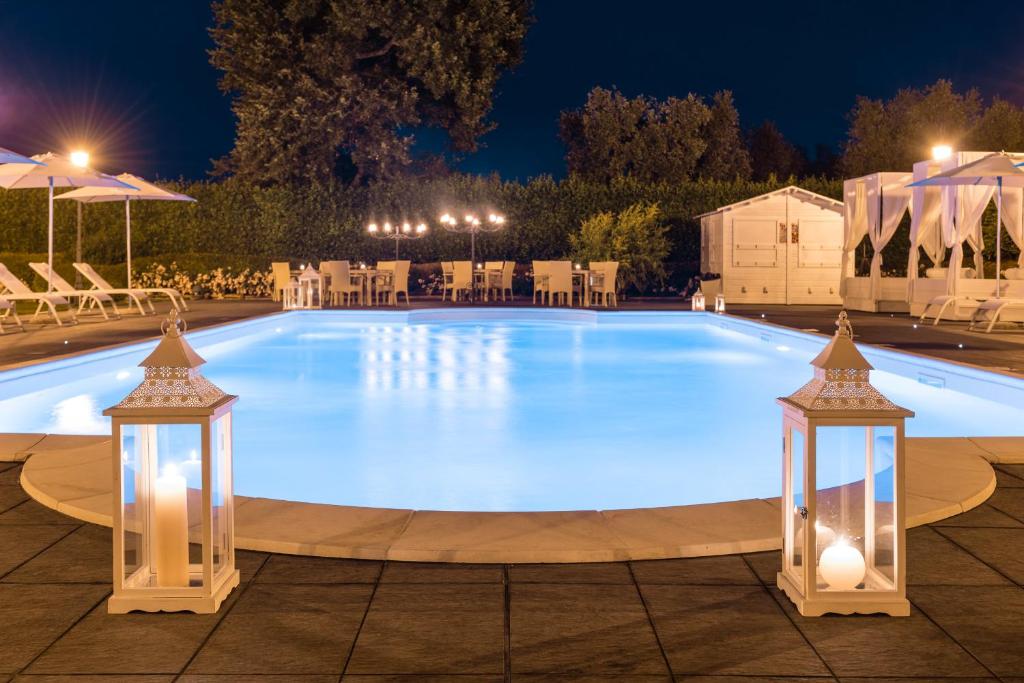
{"type": "Point", "coordinates": [783, 247]}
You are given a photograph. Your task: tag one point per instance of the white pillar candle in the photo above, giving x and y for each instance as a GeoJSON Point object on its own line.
{"type": "Point", "coordinates": [842, 566]}
{"type": "Point", "coordinates": [170, 529]}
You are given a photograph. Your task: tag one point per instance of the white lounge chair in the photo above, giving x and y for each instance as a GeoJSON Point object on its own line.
{"type": "Point", "coordinates": [991, 310]}
{"type": "Point", "coordinates": [15, 290]}
{"type": "Point", "coordinates": [9, 309]}
{"type": "Point", "coordinates": [91, 297]}
{"type": "Point", "coordinates": [139, 295]}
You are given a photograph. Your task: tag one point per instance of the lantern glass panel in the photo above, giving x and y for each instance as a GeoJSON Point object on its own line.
{"type": "Point", "coordinates": [220, 492]}
{"type": "Point", "coordinates": [135, 493]}
{"type": "Point", "coordinates": [795, 456]}
{"type": "Point", "coordinates": [881, 558]}
{"type": "Point", "coordinates": [843, 512]}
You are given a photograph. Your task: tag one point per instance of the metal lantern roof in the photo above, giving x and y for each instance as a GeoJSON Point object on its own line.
{"type": "Point", "coordinates": [842, 381]}
{"type": "Point", "coordinates": [172, 380]}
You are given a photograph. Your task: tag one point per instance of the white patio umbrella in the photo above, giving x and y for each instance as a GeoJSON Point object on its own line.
{"type": "Point", "coordinates": [138, 189]}
{"type": "Point", "coordinates": [9, 157]}
{"type": "Point", "coordinates": [50, 171]}
{"type": "Point", "coordinates": [996, 169]}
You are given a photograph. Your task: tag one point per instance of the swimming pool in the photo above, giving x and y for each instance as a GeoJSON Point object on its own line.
{"type": "Point", "coordinates": [519, 410]}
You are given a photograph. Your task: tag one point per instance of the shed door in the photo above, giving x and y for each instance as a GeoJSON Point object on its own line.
{"type": "Point", "coordinates": [812, 258]}
{"type": "Point", "coordinates": [753, 243]}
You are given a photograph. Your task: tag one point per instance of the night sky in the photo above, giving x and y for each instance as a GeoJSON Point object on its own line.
{"type": "Point", "coordinates": [131, 80]}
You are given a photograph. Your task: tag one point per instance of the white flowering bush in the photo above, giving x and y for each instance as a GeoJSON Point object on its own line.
{"type": "Point", "coordinates": [216, 284]}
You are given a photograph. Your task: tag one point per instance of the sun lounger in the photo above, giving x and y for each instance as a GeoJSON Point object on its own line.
{"type": "Point", "coordinates": [137, 293]}
{"type": "Point", "coordinates": [15, 290]}
{"type": "Point", "coordinates": [992, 309]}
{"type": "Point", "coordinates": [92, 298]}
{"type": "Point", "coordinates": [9, 309]}
{"type": "Point", "coordinates": [945, 302]}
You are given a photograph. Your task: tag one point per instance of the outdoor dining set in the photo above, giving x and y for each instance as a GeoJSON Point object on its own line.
{"type": "Point", "coordinates": [339, 283]}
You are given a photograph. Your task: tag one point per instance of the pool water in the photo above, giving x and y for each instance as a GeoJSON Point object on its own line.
{"type": "Point", "coordinates": [516, 412]}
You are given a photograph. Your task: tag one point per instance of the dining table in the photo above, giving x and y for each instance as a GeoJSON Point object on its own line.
{"type": "Point", "coordinates": [486, 278]}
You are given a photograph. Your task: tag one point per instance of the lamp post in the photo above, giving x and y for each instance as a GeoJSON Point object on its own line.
{"type": "Point", "coordinates": [80, 158]}
{"type": "Point", "coordinates": [172, 490]}
{"type": "Point", "coordinates": [473, 225]}
{"type": "Point", "coordinates": [843, 490]}
{"type": "Point", "coordinates": [405, 231]}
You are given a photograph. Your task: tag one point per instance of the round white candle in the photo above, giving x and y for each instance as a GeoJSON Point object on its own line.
{"type": "Point", "coordinates": [842, 566]}
{"type": "Point", "coordinates": [170, 529]}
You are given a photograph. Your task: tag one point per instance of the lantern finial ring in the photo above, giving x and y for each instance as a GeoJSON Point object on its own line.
{"type": "Point", "coordinates": [173, 320]}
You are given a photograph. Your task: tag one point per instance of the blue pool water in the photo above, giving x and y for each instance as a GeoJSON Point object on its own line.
{"type": "Point", "coordinates": [523, 411]}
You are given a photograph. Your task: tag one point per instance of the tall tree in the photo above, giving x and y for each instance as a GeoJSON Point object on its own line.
{"type": "Point", "coordinates": [614, 136]}
{"type": "Point", "coordinates": [726, 156]}
{"type": "Point", "coordinates": [1001, 127]}
{"type": "Point", "coordinates": [772, 154]}
{"type": "Point", "coordinates": [892, 134]}
{"type": "Point", "coordinates": [320, 84]}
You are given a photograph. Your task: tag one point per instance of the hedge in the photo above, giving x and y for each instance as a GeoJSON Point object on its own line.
{"type": "Point", "coordinates": [245, 226]}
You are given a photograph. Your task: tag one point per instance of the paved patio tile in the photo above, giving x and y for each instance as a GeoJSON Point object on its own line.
{"type": "Point", "coordinates": [83, 556]}
{"type": "Point", "coordinates": [33, 617]}
{"type": "Point", "coordinates": [248, 562]}
{"type": "Point", "coordinates": [257, 678]}
{"type": "Point", "coordinates": [934, 560]}
{"type": "Point", "coordinates": [1001, 548]}
{"type": "Point", "coordinates": [279, 629]}
{"type": "Point", "coordinates": [432, 572]}
{"type": "Point", "coordinates": [440, 629]}
{"type": "Point", "coordinates": [446, 678]}
{"type": "Point", "coordinates": [982, 516]}
{"type": "Point", "coordinates": [1010, 501]}
{"type": "Point", "coordinates": [20, 543]}
{"type": "Point", "coordinates": [766, 565]}
{"type": "Point", "coordinates": [11, 496]}
{"type": "Point", "coordinates": [581, 629]}
{"type": "Point", "coordinates": [47, 678]}
{"type": "Point", "coordinates": [10, 474]}
{"type": "Point", "coordinates": [297, 569]}
{"type": "Point", "coordinates": [599, 572]}
{"type": "Point", "coordinates": [31, 512]}
{"type": "Point", "coordinates": [135, 643]}
{"type": "Point", "coordinates": [1004, 479]}
{"type": "Point", "coordinates": [694, 624]}
{"type": "Point", "coordinates": [986, 620]}
{"type": "Point", "coordinates": [584, 678]}
{"type": "Point", "coordinates": [1015, 470]}
{"type": "Point", "coordinates": [876, 645]}
{"type": "Point", "coordinates": [918, 680]}
{"type": "Point", "coordinates": [723, 570]}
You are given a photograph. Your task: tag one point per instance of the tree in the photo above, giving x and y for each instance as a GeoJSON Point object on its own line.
{"type": "Point", "coordinates": [893, 134]}
{"type": "Point", "coordinates": [772, 154]}
{"type": "Point", "coordinates": [636, 237]}
{"type": "Point", "coordinates": [726, 157]}
{"type": "Point", "coordinates": [321, 84]}
{"type": "Point", "coordinates": [652, 141]}
{"type": "Point", "coordinates": [1000, 128]}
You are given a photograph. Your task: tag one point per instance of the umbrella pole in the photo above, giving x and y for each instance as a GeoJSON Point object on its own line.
{"type": "Point", "coordinates": [128, 238]}
{"type": "Point", "coordinates": [78, 246]}
{"type": "Point", "coordinates": [999, 229]}
{"type": "Point", "coordinates": [49, 234]}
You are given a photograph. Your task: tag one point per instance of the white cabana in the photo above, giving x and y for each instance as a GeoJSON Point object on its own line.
{"type": "Point", "coordinates": [781, 247]}
{"type": "Point", "coordinates": [949, 218]}
{"type": "Point", "coordinates": [873, 206]}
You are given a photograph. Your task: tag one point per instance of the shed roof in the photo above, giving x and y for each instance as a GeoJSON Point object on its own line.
{"type": "Point", "coordinates": [808, 196]}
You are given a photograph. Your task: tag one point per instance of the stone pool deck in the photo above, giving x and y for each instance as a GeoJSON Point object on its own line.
{"type": "Point", "coordinates": [717, 620]}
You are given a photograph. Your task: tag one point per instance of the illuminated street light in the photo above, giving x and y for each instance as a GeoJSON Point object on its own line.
{"type": "Point", "coordinates": [397, 232]}
{"type": "Point", "coordinates": [472, 224]}
{"type": "Point", "coordinates": [941, 152]}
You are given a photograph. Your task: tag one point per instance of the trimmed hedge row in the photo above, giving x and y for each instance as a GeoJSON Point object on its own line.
{"type": "Point", "coordinates": [237, 225]}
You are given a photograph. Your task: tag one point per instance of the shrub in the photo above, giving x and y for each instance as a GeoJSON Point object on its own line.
{"type": "Point", "coordinates": [636, 238]}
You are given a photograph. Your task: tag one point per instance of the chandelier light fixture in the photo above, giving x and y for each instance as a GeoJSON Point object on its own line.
{"type": "Point", "coordinates": [397, 232]}
{"type": "Point", "coordinates": [473, 225]}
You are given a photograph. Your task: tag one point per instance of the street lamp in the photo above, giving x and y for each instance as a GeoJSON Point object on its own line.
{"type": "Point", "coordinates": [80, 158]}
{"type": "Point", "coordinates": [405, 231]}
{"type": "Point", "coordinates": [472, 224]}
{"type": "Point", "coordinates": [941, 152]}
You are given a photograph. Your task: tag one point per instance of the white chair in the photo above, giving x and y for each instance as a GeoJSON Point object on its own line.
{"type": "Point", "coordinates": [138, 294]}
{"type": "Point", "coordinates": [282, 272]}
{"type": "Point", "coordinates": [382, 280]}
{"type": "Point", "coordinates": [492, 278]}
{"type": "Point", "coordinates": [447, 268]}
{"type": "Point", "coordinates": [540, 280]}
{"type": "Point", "coordinates": [91, 297]}
{"type": "Point", "coordinates": [508, 271]}
{"type": "Point", "coordinates": [341, 289]}
{"type": "Point", "coordinates": [13, 290]}
{"type": "Point", "coordinates": [462, 279]}
{"type": "Point", "coordinates": [603, 283]}
{"type": "Point", "coordinates": [9, 309]}
{"type": "Point", "coordinates": [397, 283]}
{"type": "Point", "coordinates": [560, 282]}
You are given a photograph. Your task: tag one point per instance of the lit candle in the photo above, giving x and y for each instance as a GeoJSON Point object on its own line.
{"type": "Point", "coordinates": [170, 529]}
{"type": "Point", "coordinates": [579, 267]}
{"type": "Point", "coordinates": [842, 566]}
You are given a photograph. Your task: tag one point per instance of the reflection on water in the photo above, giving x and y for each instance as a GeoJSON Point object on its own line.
{"type": "Point", "coordinates": [500, 415]}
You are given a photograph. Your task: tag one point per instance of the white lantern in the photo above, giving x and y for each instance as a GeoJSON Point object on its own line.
{"type": "Point", "coordinates": [697, 302]}
{"type": "Point", "coordinates": [173, 501]}
{"type": "Point", "coordinates": [719, 303]}
{"type": "Point", "coordinates": [843, 502]}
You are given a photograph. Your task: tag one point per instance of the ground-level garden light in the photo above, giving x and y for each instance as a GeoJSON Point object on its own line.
{"type": "Point", "coordinates": [398, 232]}
{"type": "Point", "coordinates": [473, 225]}
{"type": "Point", "coordinates": [719, 303]}
{"type": "Point", "coordinates": [697, 302]}
{"type": "Point", "coordinates": [173, 505]}
{"type": "Point", "coordinates": [844, 546]}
